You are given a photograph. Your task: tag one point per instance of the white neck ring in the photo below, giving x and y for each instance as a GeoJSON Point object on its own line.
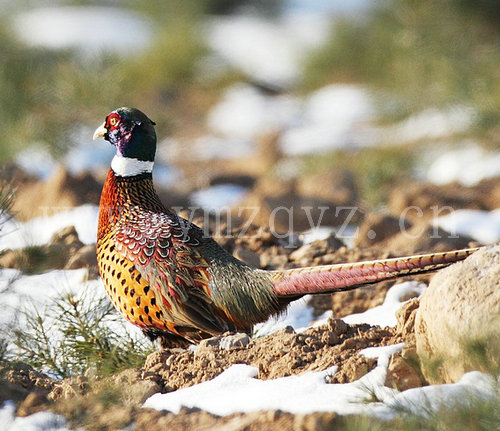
{"type": "Point", "coordinates": [128, 167]}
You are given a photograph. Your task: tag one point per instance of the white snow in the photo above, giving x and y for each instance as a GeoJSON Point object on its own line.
{"type": "Point", "coordinates": [41, 421]}
{"type": "Point", "coordinates": [299, 315]}
{"type": "Point", "coordinates": [483, 226]}
{"type": "Point", "coordinates": [385, 314]}
{"type": "Point", "coordinates": [36, 161]}
{"type": "Point", "coordinates": [346, 234]}
{"type": "Point", "coordinates": [334, 117]}
{"type": "Point", "coordinates": [39, 231]}
{"type": "Point", "coordinates": [237, 390]}
{"type": "Point", "coordinates": [468, 165]}
{"type": "Point", "coordinates": [270, 51]}
{"type": "Point", "coordinates": [19, 290]}
{"type": "Point", "coordinates": [218, 197]}
{"type": "Point", "coordinates": [246, 113]}
{"type": "Point", "coordinates": [431, 124]}
{"type": "Point", "coordinates": [89, 29]}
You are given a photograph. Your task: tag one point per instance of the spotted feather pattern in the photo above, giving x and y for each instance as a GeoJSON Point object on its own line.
{"type": "Point", "coordinates": [150, 263]}
{"type": "Point", "coordinates": [164, 252]}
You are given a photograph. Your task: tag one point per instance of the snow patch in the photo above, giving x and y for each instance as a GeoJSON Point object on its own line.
{"type": "Point", "coordinates": [237, 390]}
{"type": "Point", "coordinates": [89, 29]}
{"type": "Point", "coordinates": [300, 316]}
{"type": "Point", "coordinates": [269, 51]}
{"type": "Point", "coordinates": [39, 231]}
{"type": "Point", "coordinates": [432, 124]}
{"type": "Point", "coordinates": [483, 226]}
{"type": "Point", "coordinates": [36, 292]}
{"type": "Point", "coordinates": [218, 197]}
{"type": "Point", "coordinates": [334, 117]}
{"type": "Point", "coordinates": [385, 314]}
{"type": "Point", "coordinates": [246, 113]}
{"type": "Point", "coordinates": [468, 166]}
{"type": "Point", "coordinates": [41, 421]}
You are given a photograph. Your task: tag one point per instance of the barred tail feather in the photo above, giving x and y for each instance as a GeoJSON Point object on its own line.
{"type": "Point", "coordinates": [347, 276]}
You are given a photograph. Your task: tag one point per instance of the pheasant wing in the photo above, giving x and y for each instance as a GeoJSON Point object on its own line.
{"type": "Point", "coordinates": [163, 248]}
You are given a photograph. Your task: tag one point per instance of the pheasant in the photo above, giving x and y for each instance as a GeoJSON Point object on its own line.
{"type": "Point", "coordinates": [179, 285]}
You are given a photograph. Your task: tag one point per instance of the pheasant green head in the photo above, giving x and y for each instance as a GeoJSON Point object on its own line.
{"type": "Point", "coordinates": [133, 134]}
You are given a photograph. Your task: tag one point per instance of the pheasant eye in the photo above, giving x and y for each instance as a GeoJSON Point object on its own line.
{"type": "Point", "coordinates": [113, 121]}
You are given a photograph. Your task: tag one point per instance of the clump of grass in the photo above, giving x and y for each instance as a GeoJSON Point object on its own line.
{"type": "Point", "coordinates": [6, 201]}
{"type": "Point", "coordinates": [73, 334]}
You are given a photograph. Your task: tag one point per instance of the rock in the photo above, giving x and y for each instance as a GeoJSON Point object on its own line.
{"type": "Point", "coordinates": [405, 316]}
{"type": "Point", "coordinates": [420, 200]}
{"type": "Point", "coordinates": [403, 374]}
{"type": "Point", "coordinates": [34, 402]}
{"type": "Point", "coordinates": [434, 200]}
{"type": "Point", "coordinates": [68, 388]}
{"type": "Point", "coordinates": [64, 250]}
{"type": "Point", "coordinates": [457, 325]}
{"type": "Point", "coordinates": [334, 185]}
{"type": "Point", "coordinates": [272, 260]}
{"type": "Point", "coordinates": [337, 326]}
{"type": "Point", "coordinates": [85, 257]}
{"type": "Point", "coordinates": [425, 238]}
{"type": "Point", "coordinates": [11, 391]}
{"type": "Point", "coordinates": [234, 341]}
{"type": "Point", "coordinates": [18, 381]}
{"type": "Point", "coordinates": [138, 390]}
{"type": "Point", "coordinates": [59, 192]}
{"type": "Point", "coordinates": [378, 227]}
{"type": "Point", "coordinates": [298, 205]}
{"type": "Point", "coordinates": [315, 422]}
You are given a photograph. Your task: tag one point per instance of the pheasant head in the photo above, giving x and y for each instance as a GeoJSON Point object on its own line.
{"type": "Point", "coordinates": [133, 134]}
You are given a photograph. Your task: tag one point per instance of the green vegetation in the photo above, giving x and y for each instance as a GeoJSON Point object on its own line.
{"type": "Point", "coordinates": [73, 334]}
{"type": "Point", "coordinates": [418, 54]}
{"type": "Point", "coordinates": [6, 200]}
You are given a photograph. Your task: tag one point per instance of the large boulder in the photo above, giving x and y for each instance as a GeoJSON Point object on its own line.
{"type": "Point", "coordinates": [457, 325]}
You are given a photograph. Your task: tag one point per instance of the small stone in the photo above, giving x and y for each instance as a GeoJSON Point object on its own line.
{"type": "Point", "coordinates": [402, 375]}
{"type": "Point", "coordinates": [238, 340]}
{"type": "Point", "coordinates": [337, 326]}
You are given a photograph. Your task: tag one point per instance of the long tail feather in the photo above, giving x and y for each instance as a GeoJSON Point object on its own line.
{"type": "Point", "coordinates": [347, 276]}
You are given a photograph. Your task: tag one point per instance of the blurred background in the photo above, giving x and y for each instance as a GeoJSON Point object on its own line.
{"type": "Point", "coordinates": [296, 103]}
{"type": "Point", "coordinates": [342, 130]}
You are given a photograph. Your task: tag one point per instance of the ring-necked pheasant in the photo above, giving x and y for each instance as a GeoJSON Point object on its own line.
{"type": "Point", "coordinates": [178, 285]}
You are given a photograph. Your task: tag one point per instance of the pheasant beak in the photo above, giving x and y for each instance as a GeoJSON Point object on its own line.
{"type": "Point", "coordinates": [100, 132]}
